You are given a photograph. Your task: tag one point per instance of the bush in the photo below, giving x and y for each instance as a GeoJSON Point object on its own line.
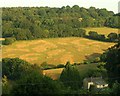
{"type": "Point", "coordinates": [93, 34]}
{"type": "Point", "coordinates": [93, 73]}
{"type": "Point", "coordinates": [112, 36]}
{"type": "Point", "coordinates": [87, 62]}
{"type": "Point", "coordinates": [116, 89]}
{"type": "Point", "coordinates": [96, 60]}
{"type": "Point", "coordinates": [45, 66]}
{"type": "Point", "coordinates": [14, 68]}
{"type": "Point", "coordinates": [6, 86]}
{"type": "Point", "coordinates": [9, 41]}
{"type": "Point", "coordinates": [60, 66]}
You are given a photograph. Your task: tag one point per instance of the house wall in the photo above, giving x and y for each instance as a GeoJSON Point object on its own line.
{"type": "Point", "coordinates": [101, 86]}
{"type": "Point", "coordinates": [89, 83]}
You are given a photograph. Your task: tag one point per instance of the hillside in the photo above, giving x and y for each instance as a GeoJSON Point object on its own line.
{"type": "Point", "coordinates": [55, 50]}
{"type": "Point", "coordinates": [27, 23]}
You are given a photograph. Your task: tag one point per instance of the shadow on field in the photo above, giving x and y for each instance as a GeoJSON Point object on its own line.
{"type": "Point", "coordinates": [92, 56]}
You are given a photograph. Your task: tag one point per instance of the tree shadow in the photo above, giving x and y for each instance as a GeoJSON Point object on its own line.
{"type": "Point", "coordinates": [92, 56]}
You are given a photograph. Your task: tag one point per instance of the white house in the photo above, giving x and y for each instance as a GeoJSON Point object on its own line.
{"type": "Point", "coordinates": [98, 82]}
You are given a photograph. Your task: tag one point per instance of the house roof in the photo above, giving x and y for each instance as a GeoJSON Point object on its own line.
{"type": "Point", "coordinates": [96, 80]}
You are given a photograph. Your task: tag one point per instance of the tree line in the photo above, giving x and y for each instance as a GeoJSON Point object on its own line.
{"type": "Point", "coordinates": [111, 37]}
{"type": "Point", "coordinates": [25, 23]}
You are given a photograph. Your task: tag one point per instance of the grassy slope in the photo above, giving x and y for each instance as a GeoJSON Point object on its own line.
{"type": "Point", "coordinates": [55, 73]}
{"type": "Point", "coordinates": [103, 30]}
{"type": "Point", "coordinates": [55, 50]}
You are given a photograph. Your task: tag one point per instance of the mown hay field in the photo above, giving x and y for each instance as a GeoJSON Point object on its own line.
{"type": "Point", "coordinates": [53, 73]}
{"type": "Point", "coordinates": [103, 30]}
{"type": "Point", "coordinates": [55, 50]}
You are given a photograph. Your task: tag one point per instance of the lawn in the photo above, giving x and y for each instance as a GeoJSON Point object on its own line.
{"type": "Point", "coordinates": [55, 50]}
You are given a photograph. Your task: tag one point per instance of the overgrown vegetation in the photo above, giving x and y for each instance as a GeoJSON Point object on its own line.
{"type": "Point", "coordinates": [112, 59]}
{"type": "Point", "coordinates": [8, 41]}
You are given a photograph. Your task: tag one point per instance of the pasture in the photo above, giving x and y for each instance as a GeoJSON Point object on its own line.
{"type": "Point", "coordinates": [55, 73]}
{"type": "Point", "coordinates": [55, 50]}
{"type": "Point", "coordinates": [103, 30]}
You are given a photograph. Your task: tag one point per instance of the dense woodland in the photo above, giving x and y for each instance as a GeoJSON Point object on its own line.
{"type": "Point", "coordinates": [24, 23]}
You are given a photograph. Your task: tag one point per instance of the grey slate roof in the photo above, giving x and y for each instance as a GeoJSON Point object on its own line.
{"type": "Point", "coordinates": [96, 80]}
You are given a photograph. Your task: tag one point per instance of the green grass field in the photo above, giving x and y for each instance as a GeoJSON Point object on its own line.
{"type": "Point", "coordinates": [55, 50]}
{"type": "Point", "coordinates": [103, 30]}
{"type": "Point", "coordinates": [83, 69]}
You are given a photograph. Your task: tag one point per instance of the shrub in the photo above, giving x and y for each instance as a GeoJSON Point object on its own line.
{"type": "Point", "coordinates": [8, 41]}
{"type": "Point", "coordinates": [14, 68]}
{"type": "Point", "coordinates": [96, 60]}
{"type": "Point", "coordinates": [86, 62]}
{"type": "Point", "coordinates": [60, 66]}
{"type": "Point", "coordinates": [45, 66]}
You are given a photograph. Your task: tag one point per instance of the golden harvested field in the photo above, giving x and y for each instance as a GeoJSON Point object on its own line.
{"type": "Point", "coordinates": [103, 30]}
{"type": "Point", "coordinates": [53, 73]}
{"type": "Point", "coordinates": [55, 50]}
